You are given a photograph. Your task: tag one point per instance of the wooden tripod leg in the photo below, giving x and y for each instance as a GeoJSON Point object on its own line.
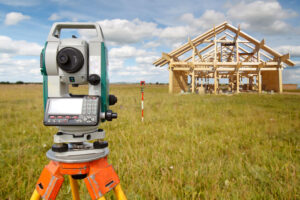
{"type": "Point", "coordinates": [35, 195]}
{"type": "Point", "coordinates": [119, 192]}
{"type": "Point", "coordinates": [74, 188]}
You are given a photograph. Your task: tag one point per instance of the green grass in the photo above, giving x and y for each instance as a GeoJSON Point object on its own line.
{"type": "Point", "coordinates": [297, 90]}
{"type": "Point", "coordinates": [189, 147]}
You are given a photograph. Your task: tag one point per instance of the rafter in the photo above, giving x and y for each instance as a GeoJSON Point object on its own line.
{"type": "Point", "coordinates": [204, 49]}
{"type": "Point", "coordinates": [168, 57]}
{"type": "Point", "coordinates": [256, 42]}
{"type": "Point", "coordinates": [186, 47]}
{"type": "Point", "coordinates": [257, 47]}
{"type": "Point", "coordinates": [195, 49]}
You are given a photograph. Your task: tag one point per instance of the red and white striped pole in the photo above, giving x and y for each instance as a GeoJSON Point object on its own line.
{"type": "Point", "coordinates": [142, 103]}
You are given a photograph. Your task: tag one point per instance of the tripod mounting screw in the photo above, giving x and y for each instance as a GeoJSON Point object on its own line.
{"type": "Point", "coordinates": [100, 145]}
{"type": "Point", "coordinates": [62, 147]}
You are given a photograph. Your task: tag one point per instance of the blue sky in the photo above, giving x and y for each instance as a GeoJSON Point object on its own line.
{"type": "Point", "coordinates": [138, 31]}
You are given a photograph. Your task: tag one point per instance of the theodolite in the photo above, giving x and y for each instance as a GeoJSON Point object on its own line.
{"type": "Point", "coordinates": [78, 150]}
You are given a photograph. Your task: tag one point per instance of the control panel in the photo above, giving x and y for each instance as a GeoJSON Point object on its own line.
{"type": "Point", "coordinates": [72, 111]}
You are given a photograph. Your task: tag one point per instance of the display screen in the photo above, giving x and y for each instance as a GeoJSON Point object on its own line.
{"type": "Point", "coordinates": [65, 106]}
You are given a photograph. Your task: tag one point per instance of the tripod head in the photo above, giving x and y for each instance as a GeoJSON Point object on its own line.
{"type": "Point", "coordinates": [74, 61]}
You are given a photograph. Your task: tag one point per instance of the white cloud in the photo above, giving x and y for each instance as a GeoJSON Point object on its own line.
{"type": "Point", "coordinates": [151, 44]}
{"type": "Point", "coordinates": [54, 17]}
{"type": "Point", "coordinates": [174, 33]}
{"type": "Point", "coordinates": [126, 52]}
{"type": "Point", "coordinates": [13, 69]}
{"type": "Point", "coordinates": [122, 31]}
{"type": "Point", "coordinates": [190, 27]}
{"type": "Point", "coordinates": [14, 65]}
{"type": "Point", "coordinates": [291, 75]}
{"type": "Point", "coordinates": [128, 63]}
{"type": "Point", "coordinates": [209, 19]}
{"type": "Point", "coordinates": [266, 17]}
{"type": "Point", "coordinates": [19, 47]}
{"type": "Point", "coordinates": [292, 49]}
{"type": "Point", "coordinates": [14, 18]}
{"type": "Point", "coordinates": [146, 59]}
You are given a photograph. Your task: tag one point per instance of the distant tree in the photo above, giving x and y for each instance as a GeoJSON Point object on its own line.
{"type": "Point", "coordinates": [157, 83]}
{"type": "Point", "coordinates": [4, 82]}
{"type": "Point", "coordinates": [19, 82]}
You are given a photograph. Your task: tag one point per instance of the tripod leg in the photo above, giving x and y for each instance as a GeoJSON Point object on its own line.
{"type": "Point", "coordinates": [50, 181]}
{"type": "Point", "coordinates": [35, 195]}
{"type": "Point", "coordinates": [74, 188]}
{"type": "Point", "coordinates": [119, 192]}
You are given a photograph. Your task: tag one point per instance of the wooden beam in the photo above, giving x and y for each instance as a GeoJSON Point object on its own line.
{"type": "Point", "coordinates": [195, 50]}
{"type": "Point", "coordinates": [237, 81]}
{"type": "Point", "coordinates": [186, 47]}
{"type": "Point", "coordinates": [237, 34]}
{"type": "Point", "coordinates": [215, 82]}
{"type": "Point", "coordinates": [166, 56]}
{"type": "Point", "coordinates": [193, 81]}
{"type": "Point", "coordinates": [257, 47]}
{"type": "Point", "coordinates": [245, 53]}
{"type": "Point", "coordinates": [171, 74]}
{"type": "Point", "coordinates": [280, 79]}
{"type": "Point", "coordinates": [256, 42]}
{"type": "Point", "coordinates": [234, 45]}
{"type": "Point", "coordinates": [265, 55]}
{"type": "Point", "coordinates": [285, 57]}
{"type": "Point", "coordinates": [218, 64]}
{"type": "Point", "coordinates": [259, 79]}
{"type": "Point", "coordinates": [204, 49]}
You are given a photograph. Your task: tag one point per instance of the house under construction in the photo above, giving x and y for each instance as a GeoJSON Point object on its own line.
{"type": "Point", "coordinates": [224, 53]}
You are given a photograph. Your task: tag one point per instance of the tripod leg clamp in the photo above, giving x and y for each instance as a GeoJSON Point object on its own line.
{"type": "Point", "coordinates": [101, 178]}
{"type": "Point", "coordinates": [50, 181]}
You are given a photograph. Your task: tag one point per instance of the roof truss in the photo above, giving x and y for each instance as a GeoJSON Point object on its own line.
{"type": "Point", "coordinates": [225, 47]}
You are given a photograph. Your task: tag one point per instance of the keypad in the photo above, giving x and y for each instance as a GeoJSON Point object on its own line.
{"type": "Point", "coordinates": [89, 115]}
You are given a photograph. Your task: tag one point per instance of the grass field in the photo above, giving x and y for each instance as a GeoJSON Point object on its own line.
{"type": "Point", "coordinates": [189, 147]}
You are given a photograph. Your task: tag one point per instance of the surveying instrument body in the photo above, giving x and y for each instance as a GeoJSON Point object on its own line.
{"type": "Point", "coordinates": [66, 62]}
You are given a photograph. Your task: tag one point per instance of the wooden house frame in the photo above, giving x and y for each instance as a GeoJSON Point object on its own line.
{"type": "Point", "coordinates": [224, 52]}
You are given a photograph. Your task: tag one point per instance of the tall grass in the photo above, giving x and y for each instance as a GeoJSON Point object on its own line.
{"type": "Point", "coordinates": [189, 147]}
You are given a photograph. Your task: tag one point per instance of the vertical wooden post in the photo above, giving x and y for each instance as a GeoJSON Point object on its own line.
{"type": "Point", "coordinates": [215, 66]}
{"type": "Point", "coordinates": [280, 79]}
{"type": "Point", "coordinates": [193, 72]}
{"type": "Point", "coordinates": [258, 77]}
{"type": "Point", "coordinates": [259, 81]}
{"type": "Point", "coordinates": [171, 77]}
{"type": "Point", "coordinates": [216, 81]}
{"type": "Point", "coordinates": [237, 81]}
{"type": "Point", "coordinates": [237, 51]}
{"type": "Point", "coordinates": [193, 81]}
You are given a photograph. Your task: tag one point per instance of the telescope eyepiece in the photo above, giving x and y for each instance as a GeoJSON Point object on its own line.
{"type": "Point", "coordinates": [63, 59]}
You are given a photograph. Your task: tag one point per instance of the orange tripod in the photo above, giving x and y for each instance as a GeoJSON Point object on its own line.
{"type": "Point", "coordinates": [98, 175]}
